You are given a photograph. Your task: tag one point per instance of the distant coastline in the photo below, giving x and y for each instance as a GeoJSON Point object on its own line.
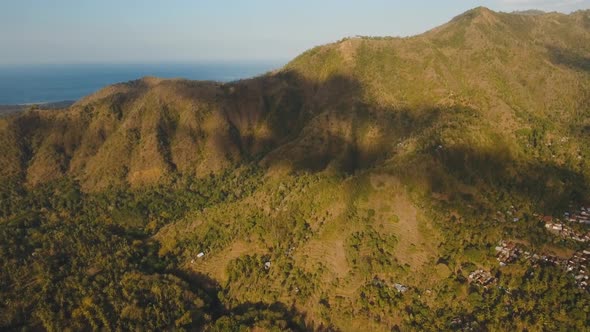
{"type": "Point", "coordinates": [9, 109]}
{"type": "Point", "coordinates": [26, 85]}
{"type": "Point", "coordinates": [50, 104]}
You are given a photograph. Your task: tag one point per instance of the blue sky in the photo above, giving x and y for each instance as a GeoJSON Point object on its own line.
{"type": "Point", "coordinates": [145, 31]}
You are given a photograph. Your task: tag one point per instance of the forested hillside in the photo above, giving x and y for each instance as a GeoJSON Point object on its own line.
{"type": "Point", "coordinates": [436, 182]}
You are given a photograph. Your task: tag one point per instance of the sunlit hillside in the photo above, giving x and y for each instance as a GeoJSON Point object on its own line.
{"type": "Point", "coordinates": [371, 184]}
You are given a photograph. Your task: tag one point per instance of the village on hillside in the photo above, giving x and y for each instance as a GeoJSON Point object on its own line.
{"type": "Point", "coordinates": [508, 252]}
{"type": "Point", "coordinates": [577, 266]}
{"type": "Point", "coordinates": [562, 227]}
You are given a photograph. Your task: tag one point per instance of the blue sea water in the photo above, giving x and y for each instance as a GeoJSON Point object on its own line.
{"type": "Point", "coordinates": [51, 83]}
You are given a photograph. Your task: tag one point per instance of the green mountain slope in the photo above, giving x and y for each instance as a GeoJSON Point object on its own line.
{"type": "Point", "coordinates": [360, 167]}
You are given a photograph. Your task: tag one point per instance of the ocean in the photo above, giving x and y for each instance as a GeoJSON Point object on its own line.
{"type": "Point", "coordinates": [52, 83]}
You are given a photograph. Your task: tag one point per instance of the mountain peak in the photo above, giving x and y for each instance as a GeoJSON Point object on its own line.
{"type": "Point", "coordinates": [478, 14]}
{"type": "Point", "coordinates": [482, 10]}
{"type": "Point", "coordinates": [479, 11]}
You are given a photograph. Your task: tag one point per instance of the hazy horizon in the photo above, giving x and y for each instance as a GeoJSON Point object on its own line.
{"type": "Point", "coordinates": [36, 32]}
{"type": "Point", "coordinates": [277, 61]}
{"type": "Point", "coordinates": [42, 83]}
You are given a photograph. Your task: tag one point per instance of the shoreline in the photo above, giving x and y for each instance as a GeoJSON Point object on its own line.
{"type": "Point", "coordinates": [14, 108]}
{"type": "Point", "coordinates": [43, 103]}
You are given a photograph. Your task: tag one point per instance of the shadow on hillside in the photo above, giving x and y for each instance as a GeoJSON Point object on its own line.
{"type": "Point", "coordinates": [561, 56]}
{"type": "Point", "coordinates": [311, 126]}
{"type": "Point", "coordinates": [275, 314]}
{"type": "Point", "coordinates": [552, 187]}
{"type": "Point", "coordinates": [317, 126]}
{"type": "Point", "coordinates": [282, 105]}
{"type": "Point", "coordinates": [364, 138]}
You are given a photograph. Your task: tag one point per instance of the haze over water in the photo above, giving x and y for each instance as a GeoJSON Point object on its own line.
{"type": "Point", "coordinates": [51, 83]}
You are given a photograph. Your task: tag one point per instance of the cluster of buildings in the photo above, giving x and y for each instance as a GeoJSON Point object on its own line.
{"type": "Point", "coordinates": [545, 259]}
{"type": "Point", "coordinates": [482, 278]}
{"type": "Point", "coordinates": [510, 252]}
{"type": "Point", "coordinates": [567, 232]}
{"type": "Point", "coordinates": [578, 266]}
{"type": "Point", "coordinates": [562, 227]}
{"type": "Point", "coordinates": [509, 215]}
{"type": "Point", "coordinates": [581, 216]}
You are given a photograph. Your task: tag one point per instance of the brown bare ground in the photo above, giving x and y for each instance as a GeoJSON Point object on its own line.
{"type": "Point", "coordinates": [331, 253]}
{"type": "Point", "coordinates": [390, 201]}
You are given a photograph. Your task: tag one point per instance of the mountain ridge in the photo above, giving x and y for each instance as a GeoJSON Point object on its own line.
{"type": "Point", "coordinates": [372, 183]}
{"type": "Point", "coordinates": [342, 61]}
